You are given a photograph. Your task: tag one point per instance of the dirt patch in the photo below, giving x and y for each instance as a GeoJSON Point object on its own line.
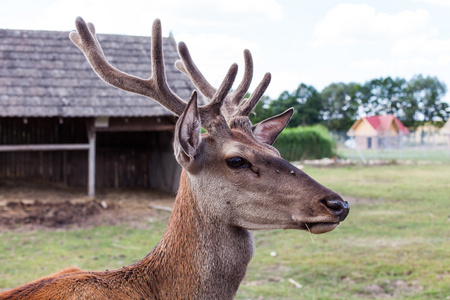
{"type": "Point", "coordinates": [27, 205]}
{"type": "Point", "coordinates": [47, 214]}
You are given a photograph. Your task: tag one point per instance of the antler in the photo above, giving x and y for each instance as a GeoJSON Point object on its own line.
{"type": "Point", "coordinates": [222, 105]}
{"type": "Point", "coordinates": [155, 87]}
{"type": "Point", "coordinates": [234, 105]}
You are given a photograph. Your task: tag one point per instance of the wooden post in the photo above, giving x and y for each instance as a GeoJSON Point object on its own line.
{"type": "Point", "coordinates": [91, 157]}
{"type": "Point", "coordinates": [65, 169]}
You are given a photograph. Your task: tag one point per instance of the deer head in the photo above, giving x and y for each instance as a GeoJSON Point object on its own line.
{"type": "Point", "coordinates": [235, 173]}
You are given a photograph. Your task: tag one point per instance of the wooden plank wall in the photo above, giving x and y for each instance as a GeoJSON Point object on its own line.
{"type": "Point", "coordinates": [18, 131]}
{"type": "Point", "coordinates": [124, 159]}
{"type": "Point", "coordinates": [68, 167]}
{"type": "Point", "coordinates": [53, 166]}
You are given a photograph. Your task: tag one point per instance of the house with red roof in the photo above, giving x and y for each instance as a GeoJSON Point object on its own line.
{"type": "Point", "coordinates": [378, 132]}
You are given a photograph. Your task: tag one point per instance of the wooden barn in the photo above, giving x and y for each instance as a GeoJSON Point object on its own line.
{"type": "Point", "coordinates": [59, 122]}
{"type": "Point", "coordinates": [378, 132]}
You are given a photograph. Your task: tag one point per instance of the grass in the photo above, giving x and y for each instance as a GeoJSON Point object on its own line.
{"type": "Point", "coordinates": [26, 256]}
{"type": "Point", "coordinates": [394, 243]}
{"type": "Point", "coordinates": [412, 154]}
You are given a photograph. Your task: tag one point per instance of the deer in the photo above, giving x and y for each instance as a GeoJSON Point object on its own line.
{"type": "Point", "coordinates": [233, 180]}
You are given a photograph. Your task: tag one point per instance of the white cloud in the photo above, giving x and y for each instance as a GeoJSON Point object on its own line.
{"type": "Point", "coordinates": [421, 63]}
{"type": "Point", "coordinates": [109, 16]}
{"type": "Point", "coordinates": [384, 44]}
{"type": "Point", "coordinates": [441, 3]}
{"type": "Point", "coordinates": [348, 24]}
{"type": "Point", "coordinates": [135, 16]}
{"type": "Point", "coordinates": [420, 45]}
{"type": "Point", "coordinates": [368, 64]}
{"type": "Point", "coordinates": [422, 51]}
{"type": "Point", "coordinates": [285, 80]}
{"type": "Point", "coordinates": [399, 66]}
{"type": "Point", "coordinates": [269, 8]}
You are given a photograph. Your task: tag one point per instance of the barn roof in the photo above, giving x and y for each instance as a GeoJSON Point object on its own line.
{"type": "Point", "coordinates": [43, 74]}
{"type": "Point", "coordinates": [381, 124]}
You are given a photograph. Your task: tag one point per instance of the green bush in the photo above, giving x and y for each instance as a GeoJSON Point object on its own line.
{"type": "Point", "coordinates": [312, 142]}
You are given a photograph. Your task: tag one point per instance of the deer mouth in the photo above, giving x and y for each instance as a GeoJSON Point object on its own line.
{"type": "Point", "coordinates": [320, 227]}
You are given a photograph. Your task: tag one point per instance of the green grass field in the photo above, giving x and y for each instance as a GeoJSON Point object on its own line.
{"type": "Point", "coordinates": [395, 243]}
{"type": "Point", "coordinates": [407, 154]}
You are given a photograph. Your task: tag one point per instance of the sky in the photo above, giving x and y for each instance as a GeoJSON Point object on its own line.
{"type": "Point", "coordinates": [297, 41]}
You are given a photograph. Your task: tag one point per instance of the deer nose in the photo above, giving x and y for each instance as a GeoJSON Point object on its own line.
{"type": "Point", "coordinates": [338, 207]}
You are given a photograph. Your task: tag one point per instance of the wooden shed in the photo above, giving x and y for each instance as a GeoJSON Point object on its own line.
{"type": "Point", "coordinates": [378, 132]}
{"type": "Point", "coordinates": [60, 122]}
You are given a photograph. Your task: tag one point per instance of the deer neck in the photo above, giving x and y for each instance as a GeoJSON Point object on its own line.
{"type": "Point", "coordinates": [198, 257]}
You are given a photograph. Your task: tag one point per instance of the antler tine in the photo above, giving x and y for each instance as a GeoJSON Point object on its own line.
{"type": "Point", "coordinates": [212, 110]}
{"type": "Point", "coordinates": [239, 93]}
{"type": "Point", "coordinates": [224, 88]}
{"type": "Point", "coordinates": [155, 87]}
{"type": "Point", "coordinates": [246, 106]}
{"type": "Point", "coordinates": [158, 71]}
{"type": "Point", "coordinates": [188, 67]}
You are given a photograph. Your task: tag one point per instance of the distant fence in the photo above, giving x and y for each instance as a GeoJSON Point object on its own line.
{"type": "Point", "coordinates": [417, 146]}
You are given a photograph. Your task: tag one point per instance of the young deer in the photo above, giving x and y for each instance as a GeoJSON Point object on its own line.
{"type": "Point", "coordinates": [233, 180]}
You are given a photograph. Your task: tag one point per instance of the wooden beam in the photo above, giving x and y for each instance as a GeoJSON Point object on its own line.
{"type": "Point", "coordinates": [127, 128]}
{"type": "Point", "coordinates": [116, 124]}
{"type": "Point", "coordinates": [43, 147]}
{"type": "Point", "coordinates": [90, 127]}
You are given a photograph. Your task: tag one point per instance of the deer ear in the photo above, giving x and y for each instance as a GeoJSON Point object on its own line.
{"type": "Point", "coordinates": [188, 133]}
{"type": "Point", "coordinates": [268, 130]}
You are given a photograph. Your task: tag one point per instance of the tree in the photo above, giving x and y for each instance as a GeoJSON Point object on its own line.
{"type": "Point", "coordinates": [307, 103]}
{"type": "Point", "coordinates": [262, 110]}
{"type": "Point", "coordinates": [384, 96]}
{"type": "Point", "coordinates": [305, 100]}
{"type": "Point", "coordinates": [340, 105]}
{"type": "Point", "coordinates": [425, 96]}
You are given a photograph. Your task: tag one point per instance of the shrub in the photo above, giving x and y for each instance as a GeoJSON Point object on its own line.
{"type": "Point", "coordinates": [313, 142]}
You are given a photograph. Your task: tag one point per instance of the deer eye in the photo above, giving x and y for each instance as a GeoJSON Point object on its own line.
{"type": "Point", "coordinates": [237, 162]}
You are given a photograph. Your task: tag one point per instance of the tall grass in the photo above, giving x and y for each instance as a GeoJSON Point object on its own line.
{"type": "Point", "coordinates": [312, 142]}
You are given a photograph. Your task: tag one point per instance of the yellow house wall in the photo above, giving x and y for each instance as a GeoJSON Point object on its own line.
{"type": "Point", "coordinates": [431, 134]}
{"type": "Point", "coordinates": [364, 129]}
{"type": "Point", "coordinates": [391, 131]}
{"type": "Point", "coordinates": [446, 128]}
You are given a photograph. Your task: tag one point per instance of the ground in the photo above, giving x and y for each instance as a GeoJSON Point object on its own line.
{"type": "Point", "coordinates": [27, 205]}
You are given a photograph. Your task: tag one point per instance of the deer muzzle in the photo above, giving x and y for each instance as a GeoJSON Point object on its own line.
{"type": "Point", "coordinates": [338, 207]}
